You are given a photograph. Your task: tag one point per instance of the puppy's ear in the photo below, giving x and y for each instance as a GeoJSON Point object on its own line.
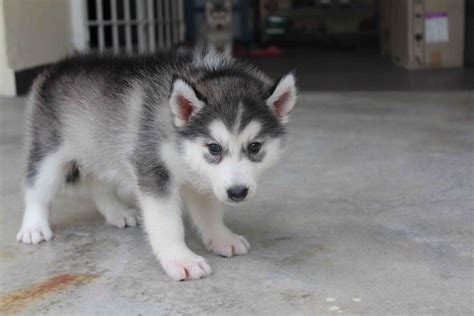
{"type": "Point", "coordinates": [184, 102]}
{"type": "Point", "coordinates": [283, 97]}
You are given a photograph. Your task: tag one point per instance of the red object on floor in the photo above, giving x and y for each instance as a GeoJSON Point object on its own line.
{"type": "Point", "coordinates": [239, 50]}
{"type": "Point", "coordinates": [270, 51]}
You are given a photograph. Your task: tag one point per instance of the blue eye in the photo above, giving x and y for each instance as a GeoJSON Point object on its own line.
{"type": "Point", "coordinates": [254, 148]}
{"type": "Point", "coordinates": [214, 149]}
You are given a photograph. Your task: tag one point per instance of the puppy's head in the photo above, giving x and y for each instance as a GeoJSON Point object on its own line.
{"type": "Point", "coordinates": [218, 14]}
{"type": "Point", "coordinates": [231, 129]}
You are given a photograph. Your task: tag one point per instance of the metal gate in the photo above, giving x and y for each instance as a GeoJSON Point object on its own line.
{"type": "Point", "coordinates": [127, 25]}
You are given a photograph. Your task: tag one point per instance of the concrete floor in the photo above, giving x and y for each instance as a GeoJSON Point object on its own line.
{"type": "Point", "coordinates": [373, 200]}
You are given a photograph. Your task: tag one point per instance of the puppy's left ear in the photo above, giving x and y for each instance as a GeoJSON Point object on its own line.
{"type": "Point", "coordinates": [283, 97]}
{"type": "Point", "coordinates": [184, 102]}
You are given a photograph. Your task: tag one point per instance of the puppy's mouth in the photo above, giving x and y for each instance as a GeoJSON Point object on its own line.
{"type": "Point", "coordinates": [233, 202]}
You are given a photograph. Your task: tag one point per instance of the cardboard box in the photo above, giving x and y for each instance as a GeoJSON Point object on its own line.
{"type": "Point", "coordinates": [427, 33]}
{"type": "Point", "coordinates": [469, 37]}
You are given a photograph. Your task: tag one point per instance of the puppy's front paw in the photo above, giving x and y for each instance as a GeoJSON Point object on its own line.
{"type": "Point", "coordinates": [122, 218]}
{"type": "Point", "coordinates": [34, 234]}
{"type": "Point", "coordinates": [187, 266]}
{"type": "Point", "coordinates": [227, 244]}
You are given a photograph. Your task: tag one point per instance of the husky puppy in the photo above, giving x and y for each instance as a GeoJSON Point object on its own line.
{"type": "Point", "coordinates": [216, 29]}
{"type": "Point", "coordinates": [166, 131]}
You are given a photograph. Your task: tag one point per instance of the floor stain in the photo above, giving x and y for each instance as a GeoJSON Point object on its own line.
{"type": "Point", "coordinates": [17, 300]}
{"type": "Point", "coordinates": [292, 295]}
{"type": "Point", "coordinates": [302, 255]}
{"type": "Point", "coordinates": [6, 255]}
{"type": "Point", "coordinates": [271, 242]}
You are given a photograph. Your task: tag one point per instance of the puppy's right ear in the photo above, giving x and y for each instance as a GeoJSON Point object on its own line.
{"type": "Point", "coordinates": [283, 97]}
{"type": "Point", "coordinates": [184, 102]}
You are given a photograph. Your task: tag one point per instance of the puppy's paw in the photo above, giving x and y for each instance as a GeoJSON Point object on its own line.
{"type": "Point", "coordinates": [34, 234]}
{"type": "Point", "coordinates": [227, 244]}
{"type": "Point", "coordinates": [186, 267]}
{"type": "Point", "coordinates": [122, 218]}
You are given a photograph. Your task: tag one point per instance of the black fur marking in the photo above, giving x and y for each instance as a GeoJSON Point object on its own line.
{"type": "Point", "coordinates": [271, 125]}
{"type": "Point", "coordinates": [152, 174]}
{"type": "Point", "coordinates": [43, 142]}
{"type": "Point", "coordinates": [231, 72]}
{"type": "Point", "coordinates": [211, 159]}
{"type": "Point", "coordinates": [258, 157]}
{"type": "Point", "coordinates": [74, 174]}
{"type": "Point", "coordinates": [120, 68]}
{"type": "Point", "coordinates": [154, 179]}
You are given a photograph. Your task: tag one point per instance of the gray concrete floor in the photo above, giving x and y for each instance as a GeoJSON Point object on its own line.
{"type": "Point", "coordinates": [373, 200]}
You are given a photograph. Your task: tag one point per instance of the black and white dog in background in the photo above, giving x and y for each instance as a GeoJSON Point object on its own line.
{"type": "Point", "coordinates": [166, 132]}
{"type": "Point", "coordinates": [215, 33]}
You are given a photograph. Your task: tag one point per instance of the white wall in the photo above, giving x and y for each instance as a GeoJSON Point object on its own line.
{"type": "Point", "coordinates": [32, 33]}
{"type": "Point", "coordinates": [7, 75]}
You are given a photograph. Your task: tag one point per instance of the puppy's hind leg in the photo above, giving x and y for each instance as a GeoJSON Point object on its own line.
{"type": "Point", "coordinates": [44, 177]}
{"type": "Point", "coordinates": [115, 211]}
{"type": "Point", "coordinates": [207, 214]}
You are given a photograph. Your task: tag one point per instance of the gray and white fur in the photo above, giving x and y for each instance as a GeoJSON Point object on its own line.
{"type": "Point", "coordinates": [159, 133]}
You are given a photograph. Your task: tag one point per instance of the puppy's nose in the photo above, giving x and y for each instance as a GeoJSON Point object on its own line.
{"type": "Point", "coordinates": [237, 193]}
